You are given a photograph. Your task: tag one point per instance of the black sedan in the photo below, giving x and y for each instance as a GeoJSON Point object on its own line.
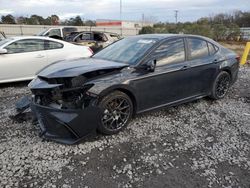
{"type": "Point", "coordinates": [131, 76]}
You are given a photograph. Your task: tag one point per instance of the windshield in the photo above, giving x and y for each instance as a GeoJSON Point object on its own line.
{"type": "Point", "coordinates": [71, 36]}
{"type": "Point", "coordinates": [4, 41]}
{"type": "Point", "coordinates": [42, 32]}
{"type": "Point", "coordinates": [128, 50]}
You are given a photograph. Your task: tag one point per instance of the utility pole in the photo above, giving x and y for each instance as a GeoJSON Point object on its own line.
{"type": "Point", "coordinates": [121, 15]}
{"type": "Point", "coordinates": [143, 19]}
{"type": "Point", "coordinates": [176, 16]}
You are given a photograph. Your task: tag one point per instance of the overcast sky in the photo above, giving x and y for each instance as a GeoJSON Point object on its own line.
{"type": "Point", "coordinates": [160, 10]}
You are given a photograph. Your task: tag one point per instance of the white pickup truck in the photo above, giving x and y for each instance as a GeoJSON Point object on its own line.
{"type": "Point", "coordinates": [57, 32]}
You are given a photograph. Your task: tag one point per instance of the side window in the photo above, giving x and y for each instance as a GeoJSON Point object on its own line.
{"type": "Point", "coordinates": [170, 52]}
{"type": "Point", "coordinates": [84, 36]}
{"type": "Point", "coordinates": [211, 48]}
{"type": "Point", "coordinates": [50, 45]}
{"type": "Point", "coordinates": [27, 45]}
{"type": "Point", "coordinates": [198, 48]}
{"type": "Point", "coordinates": [54, 32]}
{"type": "Point", "coordinates": [99, 37]}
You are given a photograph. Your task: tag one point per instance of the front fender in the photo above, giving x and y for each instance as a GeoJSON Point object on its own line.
{"type": "Point", "coordinates": [104, 89]}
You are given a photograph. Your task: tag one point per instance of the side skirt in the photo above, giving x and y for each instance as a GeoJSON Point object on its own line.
{"type": "Point", "coordinates": [174, 103]}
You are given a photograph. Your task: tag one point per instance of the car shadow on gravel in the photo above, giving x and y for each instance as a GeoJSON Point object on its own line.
{"type": "Point", "coordinates": [15, 84]}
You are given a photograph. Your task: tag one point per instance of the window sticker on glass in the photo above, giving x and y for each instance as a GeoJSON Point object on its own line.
{"type": "Point", "coordinates": [144, 41]}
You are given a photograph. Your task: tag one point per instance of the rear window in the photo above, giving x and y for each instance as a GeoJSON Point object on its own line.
{"type": "Point", "coordinates": [198, 48]}
{"type": "Point", "coordinates": [50, 45]}
{"type": "Point", "coordinates": [69, 29]}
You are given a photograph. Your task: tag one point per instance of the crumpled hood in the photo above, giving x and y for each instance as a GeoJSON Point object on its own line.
{"type": "Point", "coordinates": [72, 68]}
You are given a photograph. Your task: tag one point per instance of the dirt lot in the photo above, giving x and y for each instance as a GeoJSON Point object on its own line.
{"type": "Point", "coordinates": [201, 144]}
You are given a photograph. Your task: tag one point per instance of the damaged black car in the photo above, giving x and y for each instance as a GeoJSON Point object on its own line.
{"type": "Point", "coordinates": [134, 75]}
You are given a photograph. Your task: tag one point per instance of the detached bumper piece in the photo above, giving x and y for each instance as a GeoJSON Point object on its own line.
{"type": "Point", "coordinates": [66, 126]}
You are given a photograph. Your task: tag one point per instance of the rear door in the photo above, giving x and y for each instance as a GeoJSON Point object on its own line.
{"type": "Point", "coordinates": [203, 64]}
{"type": "Point", "coordinates": [24, 58]}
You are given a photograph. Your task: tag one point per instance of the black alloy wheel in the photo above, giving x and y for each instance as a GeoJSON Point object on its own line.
{"type": "Point", "coordinates": [221, 85]}
{"type": "Point", "coordinates": [117, 111]}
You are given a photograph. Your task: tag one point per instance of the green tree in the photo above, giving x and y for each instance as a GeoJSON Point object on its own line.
{"type": "Point", "coordinates": [21, 20]}
{"type": "Point", "coordinates": [219, 31]}
{"type": "Point", "coordinates": [51, 20]}
{"type": "Point", "coordinates": [8, 19]}
{"type": "Point", "coordinates": [147, 30]}
{"type": "Point", "coordinates": [78, 21]}
{"type": "Point", "coordinates": [233, 32]}
{"type": "Point", "coordinates": [54, 20]}
{"type": "Point", "coordinates": [90, 23]}
{"type": "Point", "coordinates": [36, 20]}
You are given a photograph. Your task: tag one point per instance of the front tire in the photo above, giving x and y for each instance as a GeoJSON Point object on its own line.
{"type": "Point", "coordinates": [117, 111]}
{"type": "Point", "coordinates": [221, 85]}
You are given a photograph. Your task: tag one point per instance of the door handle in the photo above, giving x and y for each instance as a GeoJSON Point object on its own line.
{"type": "Point", "coordinates": [185, 67]}
{"type": "Point", "coordinates": [215, 61]}
{"type": "Point", "coordinates": [40, 56]}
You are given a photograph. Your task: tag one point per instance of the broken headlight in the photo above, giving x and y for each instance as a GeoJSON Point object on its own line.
{"type": "Point", "coordinates": [78, 81]}
{"type": "Point", "coordinates": [73, 98]}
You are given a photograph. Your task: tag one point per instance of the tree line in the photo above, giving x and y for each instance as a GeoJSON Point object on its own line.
{"type": "Point", "coordinates": [50, 20]}
{"type": "Point", "coordinates": [218, 27]}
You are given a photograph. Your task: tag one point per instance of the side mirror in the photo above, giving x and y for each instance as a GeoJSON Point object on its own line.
{"type": "Point", "coordinates": [150, 65]}
{"type": "Point", "coordinates": [3, 51]}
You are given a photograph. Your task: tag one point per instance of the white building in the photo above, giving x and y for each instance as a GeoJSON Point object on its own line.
{"type": "Point", "coordinates": [123, 23]}
{"type": "Point", "coordinates": [245, 33]}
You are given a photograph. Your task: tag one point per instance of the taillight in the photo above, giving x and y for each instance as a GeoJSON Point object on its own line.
{"type": "Point", "coordinates": [238, 58]}
{"type": "Point", "coordinates": [91, 51]}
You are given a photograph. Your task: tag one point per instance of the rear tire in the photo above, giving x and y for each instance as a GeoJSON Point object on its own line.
{"type": "Point", "coordinates": [117, 111]}
{"type": "Point", "coordinates": [221, 85]}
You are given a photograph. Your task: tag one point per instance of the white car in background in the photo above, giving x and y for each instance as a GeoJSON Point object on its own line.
{"type": "Point", "coordinates": [21, 57]}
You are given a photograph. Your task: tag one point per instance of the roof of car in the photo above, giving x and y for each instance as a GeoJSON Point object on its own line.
{"type": "Point", "coordinates": [32, 37]}
{"type": "Point", "coordinates": [165, 36]}
{"type": "Point", "coordinates": [61, 27]}
{"type": "Point", "coordinates": [26, 37]}
{"type": "Point", "coordinates": [162, 36]}
{"type": "Point", "coordinates": [96, 32]}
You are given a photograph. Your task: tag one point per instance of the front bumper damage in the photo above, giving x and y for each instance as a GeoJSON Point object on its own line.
{"type": "Point", "coordinates": [64, 114]}
{"type": "Point", "coordinates": [66, 126]}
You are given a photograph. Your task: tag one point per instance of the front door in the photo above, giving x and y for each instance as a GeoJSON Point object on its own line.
{"type": "Point", "coordinates": [170, 82]}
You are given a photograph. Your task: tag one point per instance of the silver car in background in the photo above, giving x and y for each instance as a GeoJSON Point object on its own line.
{"type": "Point", "coordinates": [22, 57]}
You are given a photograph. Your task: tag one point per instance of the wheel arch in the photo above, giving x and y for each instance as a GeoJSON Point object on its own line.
{"type": "Point", "coordinates": [125, 89]}
{"type": "Point", "coordinates": [228, 70]}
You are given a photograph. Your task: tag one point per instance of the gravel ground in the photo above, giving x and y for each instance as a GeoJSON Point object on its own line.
{"type": "Point", "coordinates": [200, 144]}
